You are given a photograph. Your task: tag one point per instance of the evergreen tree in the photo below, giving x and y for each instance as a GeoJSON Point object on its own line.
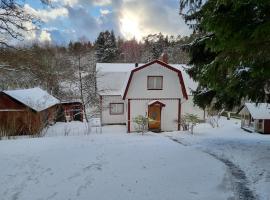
{"type": "Point", "coordinates": [231, 57]}
{"type": "Point", "coordinates": [106, 47]}
{"type": "Point", "coordinates": [157, 44]}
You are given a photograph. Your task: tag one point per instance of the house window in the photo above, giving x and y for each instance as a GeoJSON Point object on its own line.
{"type": "Point", "coordinates": [116, 108]}
{"type": "Point", "coordinates": [260, 124]}
{"type": "Point", "coordinates": [155, 82]}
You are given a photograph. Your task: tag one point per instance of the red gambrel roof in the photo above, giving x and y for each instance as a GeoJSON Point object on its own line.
{"type": "Point", "coordinates": [181, 81]}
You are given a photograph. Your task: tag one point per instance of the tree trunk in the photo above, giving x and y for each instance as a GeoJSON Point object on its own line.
{"type": "Point", "coordinates": [81, 90]}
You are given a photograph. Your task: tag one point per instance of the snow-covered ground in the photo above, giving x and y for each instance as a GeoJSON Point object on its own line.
{"type": "Point", "coordinates": [241, 151]}
{"type": "Point", "coordinates": [112, 165]}
{"type": "Point", "coordinates": [118, 166]}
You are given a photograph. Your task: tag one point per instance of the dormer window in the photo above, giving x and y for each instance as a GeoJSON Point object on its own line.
{"type": "Point", "coordinates": [155, 82]}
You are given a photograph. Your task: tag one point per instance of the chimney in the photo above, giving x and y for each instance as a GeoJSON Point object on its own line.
{"type": "Point", "coordinates": [136, 65]}
{"type": "Point", "coordinates": [164, 57]}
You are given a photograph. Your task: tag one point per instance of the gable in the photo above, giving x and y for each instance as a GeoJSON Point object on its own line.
{"type": "Point", "coordinates": [157, 68]}
{"type": "Point", "coordinates": [8, 103]}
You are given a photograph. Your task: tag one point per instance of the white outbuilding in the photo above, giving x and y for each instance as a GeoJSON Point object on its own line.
{"type": "Point", "coordinates": [255, 117]}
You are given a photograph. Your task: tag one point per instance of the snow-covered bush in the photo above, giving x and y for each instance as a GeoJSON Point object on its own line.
{"type": "Point", "coordinates": [214, 117]}
{"type": "Point", "coordinates": [192, 120]}
{"type": "Point", "coordinates": [141, 123]}
{"type": "Point", "coordinates": [183, 123]}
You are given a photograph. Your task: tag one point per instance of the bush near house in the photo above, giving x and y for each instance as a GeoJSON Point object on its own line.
{"type": "Point", "coordinates": [142, 123]}
{"type": "Point", "coordinates": [192, 120]}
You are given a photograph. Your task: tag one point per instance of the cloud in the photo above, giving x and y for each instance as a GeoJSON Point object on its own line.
{"type": "Point", "coordinates": [31, 33]}
{"type": "Point", "coordinates": [74, 19]}
{"type": "Point", "coordinates": [104, 11]}
{"type": "Point", "coordinates": [81, 21]}
{"type": "Point", "coordinates": [102, 2]}
{"type": "Point", "coordinates": [47, 15]}
{"type": "Point", "coordinates": [66, 2]}
{"type": "Point", "coordinates": [45, 36]}
{"type": "Point", "coordinates": [158, 16]}
{"type": "Point", "coordinates": [73, 3]}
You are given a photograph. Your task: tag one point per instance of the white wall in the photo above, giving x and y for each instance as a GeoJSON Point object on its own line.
{"type": "Point", "coordinates": [112, 119]}
{"type": "Point", "coordinates": [169, 113]}
{"type": "Point", "coordinates": [189, 107]}
{"type": "Point", "coordinates": [171, 85]}
{"type": "Point", "coordinates": [244, 113]}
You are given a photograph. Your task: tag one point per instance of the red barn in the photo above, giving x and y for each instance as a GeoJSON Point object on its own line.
{"type": "Point", "coordinates": [26, 111]}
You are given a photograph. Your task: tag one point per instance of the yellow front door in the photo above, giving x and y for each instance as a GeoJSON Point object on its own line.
{"type": "Point", "coordinates": [154, 114]}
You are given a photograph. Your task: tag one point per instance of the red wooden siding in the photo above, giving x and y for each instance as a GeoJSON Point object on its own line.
{"type": "Point", "coordinates": [22, 120]}
{"type": "Point", "coordinates": [128, 115]}
{"type": "Point", "coordinates": [267, 126]}
{"type": "Point", "coordinates": [179, 114]}
{"type": "Point", "coordinates": [7, 102]}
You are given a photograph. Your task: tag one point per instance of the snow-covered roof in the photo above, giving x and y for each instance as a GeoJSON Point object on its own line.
{"type": "Point", "coordinates": [259, 111]}
{"type": "Point", "coordinates": [114, 77]}
{"type": "Point", "coordinates": [71, 101]}
{"type": "Point", "coordinates": [111, 93]}
{"type": "Point", "coordinates": [35, 98]}
{"type": "Point", "coordinates": [111, 81]}
{"type": "Point", "coordinates": [116, 67]}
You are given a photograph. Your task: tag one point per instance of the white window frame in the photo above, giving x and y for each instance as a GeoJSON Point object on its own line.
{"type": "Point", "coordinates": [119, 110]}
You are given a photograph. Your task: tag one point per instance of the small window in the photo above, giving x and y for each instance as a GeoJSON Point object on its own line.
{"type": "Point", "coordinates": [155, 82]}
{"type": "Point", "coordinates": [116, 108]}
{"type": "Point", "coordinates": [260, 124]}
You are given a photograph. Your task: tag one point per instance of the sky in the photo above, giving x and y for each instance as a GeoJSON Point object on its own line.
{"type": "Point", "coordinates": [71, 20]}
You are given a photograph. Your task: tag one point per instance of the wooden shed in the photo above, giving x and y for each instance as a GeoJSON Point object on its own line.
{"type": "Point", "coordinates": [26, 111]}
{"type": "Point", "coordinates": [255, 117]}
{"type": "Point", "coordinates": [73, 110]}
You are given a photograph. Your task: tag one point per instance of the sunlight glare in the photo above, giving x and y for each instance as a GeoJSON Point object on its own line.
{"type": "Point", "coordinates": [129, 26]}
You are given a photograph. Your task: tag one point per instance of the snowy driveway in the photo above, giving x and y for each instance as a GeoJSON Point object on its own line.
{"type": "Point", "coordinates": [108, 167]}
{"type": "Point", "coordinates": [246, 155]}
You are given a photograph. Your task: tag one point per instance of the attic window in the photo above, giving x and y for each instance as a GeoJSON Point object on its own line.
{"type": "Point", "coordinates": [155, 82]}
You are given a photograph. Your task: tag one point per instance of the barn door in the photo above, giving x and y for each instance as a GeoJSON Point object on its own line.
{"type": "Point", "coordinates": [154, 113]}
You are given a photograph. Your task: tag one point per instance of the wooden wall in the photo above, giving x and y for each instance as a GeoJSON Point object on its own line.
{"type": "Point", "coordinates": [71, 109]}
{"type": "Point", "coordinates": [267, 126]}
{"type": "Point", "coordinates": [18, 119]}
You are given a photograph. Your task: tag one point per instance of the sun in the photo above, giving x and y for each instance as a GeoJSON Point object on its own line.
{"type": "Point", "coordinates": [129, 27]}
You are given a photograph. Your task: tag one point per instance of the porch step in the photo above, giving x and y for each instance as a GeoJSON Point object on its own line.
{"type": "Point", "coordinates": [156, 130]}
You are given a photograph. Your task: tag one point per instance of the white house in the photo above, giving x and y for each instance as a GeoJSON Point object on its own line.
{"type": "Point", "coordinates": [156, 89]}
{"type": "Point", "coordinates": [255, 117]}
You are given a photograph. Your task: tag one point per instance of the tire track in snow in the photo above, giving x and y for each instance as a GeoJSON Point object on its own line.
{"type": "Point", "coordinates": [239, 180]}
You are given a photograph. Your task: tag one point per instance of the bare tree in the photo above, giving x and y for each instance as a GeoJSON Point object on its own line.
{"type": "Point", "coordinates": [83, 60]}
{"type": "Point", "coordinates": [15, 21]}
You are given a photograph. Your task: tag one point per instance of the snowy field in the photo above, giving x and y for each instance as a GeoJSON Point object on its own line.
{"type": "Point", "coordinates": [119, 166]}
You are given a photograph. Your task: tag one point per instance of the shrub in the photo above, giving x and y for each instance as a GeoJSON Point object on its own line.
{"type": "Point", "coordinates": [142, 123]}
{"type": "Point", "coordinates": [192, 120]}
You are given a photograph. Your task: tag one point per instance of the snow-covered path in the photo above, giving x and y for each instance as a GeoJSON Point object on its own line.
{"type": "Point", "coordinates": [108, 166]}
{"type": "Point", "coordinates": [247, 155]}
